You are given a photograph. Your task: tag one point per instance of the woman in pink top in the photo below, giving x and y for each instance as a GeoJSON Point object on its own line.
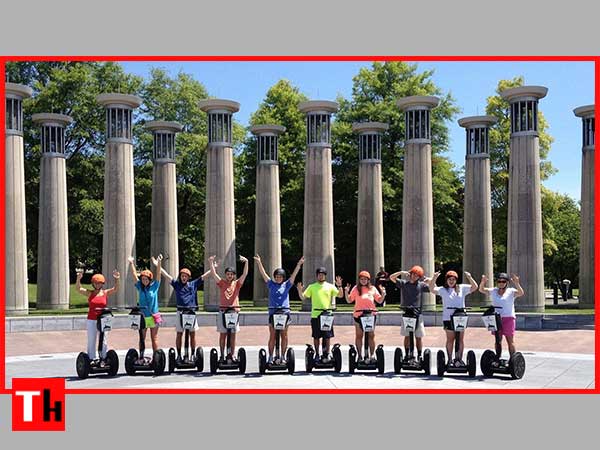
{"type": "Point", "coordinates": [364, 295]}
{"type": "Point", "coordinates": [230, 291]}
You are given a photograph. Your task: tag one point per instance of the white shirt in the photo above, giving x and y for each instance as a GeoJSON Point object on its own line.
{"type": "Point", "coordinates": [452, 299]}
{"type": "Point", "coordinates": [506, 301]}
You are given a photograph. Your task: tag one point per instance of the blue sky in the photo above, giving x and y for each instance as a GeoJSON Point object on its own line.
{"type": "Point", "coordinates": [570, 84]}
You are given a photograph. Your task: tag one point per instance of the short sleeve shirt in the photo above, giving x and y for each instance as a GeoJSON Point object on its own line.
{"type": "Point", "coordinates": [187, 294]}
{"type": "Point", "coordinates": [452, 299]}
{"type": "Point", "coordinates": [506, 301]}
{"type": "Point", "coordinates": [148, 297]}
{"type": "Point", "coordinates": [278, 295]}
{"type": "Point", "coordinates": [365, 300]}
{"type": "Point", "coordinates": [230, 292]}
{"type": "Point", "coordinates": [411, 292]}
{"type": "Point", "coordinates": [320, 296]}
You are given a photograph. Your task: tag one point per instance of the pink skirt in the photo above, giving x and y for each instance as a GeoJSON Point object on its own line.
{"type": "Point", "coordinates": [509, 324]}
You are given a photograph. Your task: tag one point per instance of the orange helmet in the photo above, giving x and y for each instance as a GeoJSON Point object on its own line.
{"type": "Point", "coordinates": [98, 278]}
{"type": "Point", "coordinates": [186, 271]}
{"type": "Point", "coordinates": [417, 270]}
{"type": "Point", "coordinates": [147, 273]}
{"type": "Point", "coordinates": [365, 274]}
{"type": "Point", "coordinates": [451, 273]}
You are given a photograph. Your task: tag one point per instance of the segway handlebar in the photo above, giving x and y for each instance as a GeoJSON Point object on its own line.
{"type": "Point", "coordinates": [187, 308]}
{"type": "Point", "coordinates": [111, 308]}
{"type": "Point", "coordinates": [225, 308]}
{"type": "Point", "coordinates": [280, 307]}
{"type": "Point", "coordinates": [325, 309]}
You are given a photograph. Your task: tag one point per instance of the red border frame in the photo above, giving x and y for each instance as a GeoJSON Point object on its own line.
{"type": "Point", "coordinates": [279, 58]}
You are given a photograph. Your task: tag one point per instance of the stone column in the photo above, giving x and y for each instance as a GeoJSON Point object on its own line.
{"type": "Point", "coordinates": [369, 236]}
{"type": "Point", "coordinates": [53, 233]}
{"type": "Point", "coordinates": [16, 233]}
{"type": "Point", "coordinates": [267, 222]}
{"type": "Point", "coordinates": [477, 236]}
{"type": "Point", "coordinates": [525, 255]}
{"type": "Point", "coordinates": [417, 202]}
{"type": "Point", "coordinates": [163, 229]}
{"type": "Point", "coordinates": [220, 208]}
{"type": "Point", "coordinates": [118, 241]}
{"type": "Point", "coordinates": [318, 193]}
{"type": "Point", "coordinates": [586, 255]}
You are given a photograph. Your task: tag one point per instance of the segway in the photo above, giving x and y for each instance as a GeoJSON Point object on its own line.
{"type": "Point", "coordinates": [324, 362]}
{"type": "Point", "coordinates": [155, 364]}
{"type": "Point", "coordinates": [110, 364]}
{"type": "Point", "coordinates": [227, 362]}
{"type": "Point", "coordinates": [410, 320]}
{"type": "Point", "coordinates": [459, 320]}
{"type": "Point", "coordinates": [280, 319]}
{"type": "Point", "coordinates": [491, 363]}
{"type": "Point", "coordinates": [193, 361]}
{"type": "Point", "coordinates": [367, 324]}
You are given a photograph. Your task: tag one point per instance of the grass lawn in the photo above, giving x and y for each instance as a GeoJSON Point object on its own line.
{"type": "Point", "coordinates": [79, 305]}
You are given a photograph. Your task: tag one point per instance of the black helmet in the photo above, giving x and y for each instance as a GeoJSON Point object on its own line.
{"type": "Point", "coordinates": [279, 271]}
{"type": "Point", "coordinates": [321, 270]}
{"type": "Point", "coordinates": [230, 269]}
{"type": "Point", "coordinates": [502, 276]}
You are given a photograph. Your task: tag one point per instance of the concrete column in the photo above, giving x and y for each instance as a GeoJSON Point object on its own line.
{"type": "Point", "coordinates": [586, 255]}
{"type": "Point", "coordinates": [477, 236]}
{"type": "Point", "coordinates": [417, 202]}
{"type": "Point", "coordinates": [220, 208]}
{"type": "Point", "coordinates": [318, 193]}
{"type": "Point", "coordinates": [16, 233]}
{"type": "Point", "coordinates": [118, 241]}
{"type": "Point", "coordinates": [163, 229]}
{"type": "Point", "coordinates": [267, 223]}
{"type": "Point", "coordinates": [369, 236]}
{"type": "Point", "coordinates": [525, 255]}
{"type": "Point", "coordinates": [53, 233]}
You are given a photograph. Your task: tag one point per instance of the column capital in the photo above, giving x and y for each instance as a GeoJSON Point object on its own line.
{"type": "Point", "coordinates": [161, 125]}
{"type": "Point", "coordinates": [524, 93]}
{"type": "Point", "coordinates": [17, 90]}
{"type": "Point", "coordinates": [216, 104]}
{"type": "Point", "coordinates": [318, 106]}
{"type": "Point", "coordinates": [44, 119]}
{"type": "Point", "coordinates": [585, 112]}
{"type": "Point", "coordinates": [477, 121]}
{"type": "Point", "coordinates": [369, 127]}
{"type": "Point", "coordinates": [417, 102]}
{"type": "Point", "coordinates": [267, 129]}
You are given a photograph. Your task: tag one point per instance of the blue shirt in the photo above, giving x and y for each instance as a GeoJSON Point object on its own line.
{"type": "Point", "coordinates": [278, 295]}
{"type": "Point", "coordinates": [187, 293]}
{"type": "Point", "coordinates": [148, 297]}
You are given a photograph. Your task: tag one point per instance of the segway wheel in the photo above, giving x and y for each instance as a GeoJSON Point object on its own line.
{"type": "Point", "coordinates": [487, 359]}
{"type": "Point", "coordinates": [130, 359]}
{"type": "Point", "coordinates": [242, 360]}
{"type": "Point", "coordinates": [214, 361]}
{"type": "Point", "coordinates": [171, 360]}
{"type": "Point", "coordinates": [308, 359]}
{"type": "Point", "coordinates": [471, 364]}
{"type": "Point", "coordinates": [199, 359]}
{"type": "Point", "coordinates": [159, 360]}
{"type": "Point", "coordinates": [380, 354]}
{"type": "Point", "coordinates": [337, 359]}
{"type": "Point", "coordinates": [83, 365]}
{"type": "Point", "coordinates": [351, 359]}
{"type": "Point", "coordinates": [516, 365]}
{"type": "Point", "coordinates": [441, 363]}
{"type": "Point", "coordinates": [398, 360]}
{"type": "Point", "coordinates": [427, 362]}
{"type": "Point", "coordinates": [262, 361]}
{"type": "Point", "coordinates": [291, 360]}
{"type": "Point", "coordinates": [113, 362]}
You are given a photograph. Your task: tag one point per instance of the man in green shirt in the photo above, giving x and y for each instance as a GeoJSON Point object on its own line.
{"type": "Point", "coordinates": [322, 296]}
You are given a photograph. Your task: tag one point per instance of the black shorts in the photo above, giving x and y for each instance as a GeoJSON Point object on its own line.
{"type": "Point", "coordinates": [448, 325]}
{"type": "Point", "coordinates": [315, 324]}
{"type": "Point", "coordinates": [286, 324]}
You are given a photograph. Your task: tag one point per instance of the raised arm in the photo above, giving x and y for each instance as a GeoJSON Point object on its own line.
{"type": "Point", "coordinates": [394, 276]}
{"type": "Point", "coordinates": [158, 263]}
{"type": "Point", "coordinates": [432, 280]}
{"type": "Point", "coordinates": [339, 285]}
{"type": "Point", "coordinates": [473, 283]}
{"type": "Point", "coordinates": [245, 271]}
{"type": "Point", "coordinates": [165, 274]}
{"type": "Point", "coordinates": [81, 290]}
{"type": "Point", "coordinates": [213, 268]}
{"type": "Point", "coordinates": [133, 269]}
{"type": "Point", "coordinates": [482, 288]}
{"type": "Point", "coordinates": [296, 270]}
{"type": "Point", "coordinates": [515, 279]}
{"type": "Point", "coordinates": [113, 290]}
{"type": "Point", "coordinates": [383, 294]}
{"type": "Point", "coordinates": [261, 268]}
{"type": "Point", "coordinates": [300, 288]}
